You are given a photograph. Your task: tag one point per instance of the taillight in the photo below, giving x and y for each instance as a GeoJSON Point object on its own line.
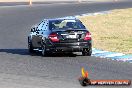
{"type": "Point", "coordinates": [87, 36]}
{"type": "Point", "coordinates": [53, 37]}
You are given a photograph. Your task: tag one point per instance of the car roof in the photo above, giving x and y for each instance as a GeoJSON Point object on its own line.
{"type": "Point", "coordinates": [63, 18]}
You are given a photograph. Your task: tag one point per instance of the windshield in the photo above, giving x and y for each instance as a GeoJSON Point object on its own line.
{"type": "Point", "coordinates": [65, 24]}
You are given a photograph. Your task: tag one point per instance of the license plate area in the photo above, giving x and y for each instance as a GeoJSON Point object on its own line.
{"type": "Point", "coordinates": [71, 36]}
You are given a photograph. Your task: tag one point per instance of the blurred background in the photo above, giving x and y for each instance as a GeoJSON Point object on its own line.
{"type": "Point", "coordinates": [47, 0]}
{"type": "Point", "coordinates": [32, 0]}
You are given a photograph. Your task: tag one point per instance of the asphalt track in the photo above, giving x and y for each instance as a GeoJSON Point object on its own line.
{"type": "Point", "coordinates": [19, 69]}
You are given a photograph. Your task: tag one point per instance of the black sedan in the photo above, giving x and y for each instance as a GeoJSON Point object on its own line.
{"type": "Point", "coordinates": [60, 35]}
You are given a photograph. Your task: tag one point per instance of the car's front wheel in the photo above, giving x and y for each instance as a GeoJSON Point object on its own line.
{"type": "Point", "coordinates": [30, 47]}
{"type": "Point", "coordinates": [87, 52]}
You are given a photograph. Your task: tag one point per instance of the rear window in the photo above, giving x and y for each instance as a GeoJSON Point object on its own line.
{"type": "Point", "coordinates": [66, 24]}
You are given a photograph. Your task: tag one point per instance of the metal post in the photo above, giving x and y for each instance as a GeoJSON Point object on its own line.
{"type": "Point", "coordinates": [30, 2]}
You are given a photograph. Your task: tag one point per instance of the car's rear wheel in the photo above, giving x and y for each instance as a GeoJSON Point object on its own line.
{"type": "Point", "coordinates": [44, 52]}
{"type": "Point", "coordinates": [87, 52]}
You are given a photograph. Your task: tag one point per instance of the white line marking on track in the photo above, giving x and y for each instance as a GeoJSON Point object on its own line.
{"type": "Point", "coordinates": [114, 55]}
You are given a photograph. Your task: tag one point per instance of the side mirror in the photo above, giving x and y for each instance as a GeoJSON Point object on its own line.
{"type": "Point", "coordinates": [33, 29]}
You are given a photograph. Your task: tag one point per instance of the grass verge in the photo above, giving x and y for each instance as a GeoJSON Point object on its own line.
{"type": "Point", "coordinates": [112, 32]}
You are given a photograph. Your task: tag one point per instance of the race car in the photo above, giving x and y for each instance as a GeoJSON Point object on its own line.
{"type": "Point", "coordinates": [60, 35]}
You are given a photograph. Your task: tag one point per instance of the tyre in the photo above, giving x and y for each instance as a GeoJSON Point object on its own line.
{"type": "Point", "coordinates": [30, 47]}
{"type": "Point", "coordinates": [44, 52]}
{"type": "Point", "coordinates": [87, 52]}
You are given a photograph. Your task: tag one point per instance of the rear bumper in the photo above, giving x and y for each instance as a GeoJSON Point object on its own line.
{"type": "Point", "coordinates": [70, 47]}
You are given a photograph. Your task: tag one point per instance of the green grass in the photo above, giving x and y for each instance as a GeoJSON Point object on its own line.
{"type": "Point", "coordinates": [112, 32]}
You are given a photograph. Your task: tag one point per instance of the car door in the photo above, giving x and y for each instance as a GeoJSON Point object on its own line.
{"type": "Point", "coordinates": [36, 39]}
{"type": "Point", "coordinates": [41, 31]}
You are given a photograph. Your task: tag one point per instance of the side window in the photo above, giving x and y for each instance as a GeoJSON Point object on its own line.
{"type": "Point", "coordinates": [45, 25]}
{"type": "Point", "coordinates": [40, 26]}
